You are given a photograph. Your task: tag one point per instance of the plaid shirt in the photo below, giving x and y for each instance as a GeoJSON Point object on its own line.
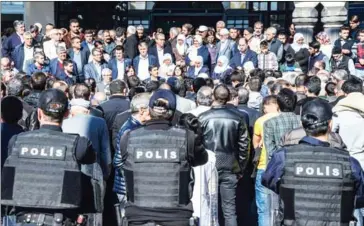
{"type": "Point", "coordinates": [276, 127]}
{"type": "Point", "coordinates": [267, 61]}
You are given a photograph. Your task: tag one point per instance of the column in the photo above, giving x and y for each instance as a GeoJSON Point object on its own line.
{"type": "Point", "coordinates": [334, 15]}
{"type": "Point", "coordinates": [305, 17]}
{"type": "Point", "coordinates": [38, 12]}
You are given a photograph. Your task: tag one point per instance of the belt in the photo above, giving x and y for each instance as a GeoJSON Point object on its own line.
{"type": "Point", "coordinates": [41, 219]}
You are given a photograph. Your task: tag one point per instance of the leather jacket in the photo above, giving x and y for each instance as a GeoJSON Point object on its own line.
{"type": "Point", "coordinates": [225, 133]}
{"type": "Point", "coordinates": [32, 98]}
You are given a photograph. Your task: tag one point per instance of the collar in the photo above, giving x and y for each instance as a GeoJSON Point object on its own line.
{"type": "Point", "coordinates": [134, 120]}
{"type": "Point", "coordinates": [117, 96]}
{"type": "Point", "coordinates": [158, 122]}
{"type": "Point", "coordinates": [96, 63]}
{"type": "Point", "coordinates": [51, 127]}
{"type": "Point", "coordinates": [313, 141]}
{"type": "Point", "coordinates": [121, 61]}
{"type": "Point", "coordinates": [317, 54]}
{"type": "Point", "coordinates": [160, 49]}
{"type": "Point", "coordinates": [144, 58]}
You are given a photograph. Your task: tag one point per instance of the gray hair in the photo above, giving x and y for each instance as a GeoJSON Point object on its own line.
{"type": "Point", "coordinates": [243, 95]}
{"type": "Point", "coordinates": [106, 71]}
{"type": "Point", "coordinates": [224, 31]}
{"type": "Point", "coordinates": [221, 22]}
{"type": "Point", "coordinates": [174, 31]}
{"type": "Point", "coordinates": [140, 27]}
{"type": "Point", "coordinates": [131, 30]}
{"type": "Point", "coordinates": [60, 49]}
{"type": "Point", "coordinates": [204, 96]}
{"type": "Point", "coordinates": [18, 23]}
{"type": "Point", "coordinates": [272, 29]}
{"type": "Point", "coordinates": [340, 75]}
{"type": "Point", "coordinates": [139, 101]}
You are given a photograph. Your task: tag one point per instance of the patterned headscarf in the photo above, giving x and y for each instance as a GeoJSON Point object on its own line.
{"type": "Point", "coordinates": [325, 39]}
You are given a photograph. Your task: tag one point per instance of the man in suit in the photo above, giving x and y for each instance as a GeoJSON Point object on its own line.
{"type": "Point", "coordinates": [226, 47]}
{"type": "Point", "coordinates": [13, 40]}
{"type": "Point", "coordinates": [79, 55]}
{"type": "Point", "coordinates": [57, 64]}
{"type": "Point", "coordinates": [244, 55]}
{"type": "Point", "coordinates": [160, 48]}
{"type": "Point", "coordinates": [131, 43]}
{"type": "Point", "coordinates": [94, 68]}
{"type": "Point", "coordinates": [142, 61]}
{"type": "Point", "coordinates": [89, 42]}
{"type": "Point", "coordinates": [23, 53]}
{"type": "Point", "coordinates": [118, 64]}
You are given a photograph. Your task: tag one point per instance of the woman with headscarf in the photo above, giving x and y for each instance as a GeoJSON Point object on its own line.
{"type": "Point", "coordinates": [325, 43]}
{"type": "Point", "coordinates": [167, 68]}
{"type": "Point", "coordinates": [198, 49]}
{"type": "Point", "coordinates": [222, 70]}
{"type": "Point", "coordinates": [197, 68]}
{"type": "Point", "coordinates": [300, 51]}
{"type": "Point", "coordinates": [180, 50]}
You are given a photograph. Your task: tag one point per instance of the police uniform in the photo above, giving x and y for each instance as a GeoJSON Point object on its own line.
{"type": "Point", "coordinates": [157, 170]}
{"type": "Point", "coordinates": [42, 177]}
{"type": "Point", "coordinates": [317, 184]}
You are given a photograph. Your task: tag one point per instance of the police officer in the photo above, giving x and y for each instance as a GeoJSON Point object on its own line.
{"type": "Point", "coordinates": [316, 183]}
{"type": "Point", "coordinates": [157, 168]}
{"type": "Point", "coordinates": [42, 177]}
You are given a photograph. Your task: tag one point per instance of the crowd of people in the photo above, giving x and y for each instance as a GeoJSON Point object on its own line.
{"type": "Point", "coordinates": [247, 95]}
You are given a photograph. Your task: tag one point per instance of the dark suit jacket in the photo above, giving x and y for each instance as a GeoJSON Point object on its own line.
{"type": "Point", "coordinates": [347, 45]}
{"type": "Point", "coordinates": [9, 44]}
{"type": "Point", "coordinates": [62, 76]}
{"type": "Point", "coordinates": [249, 56]}
{"type": "Point", "coordinates": [152, 61]}
{"type": "Point", "coordinates": [113, 66]}
{"type": "Point", "coordinates": [90, 71]}
{"type": "Point", "coordinates": [85, 54]}
{"type": "Point", "coordinates": [191, 71]}
{"type": "Point", "coordinates": [85, 46]}
{"type": "Point", "coordinates": [204, 52]}
{"type": "Point", "coordinates": [18, 57]}
{"type": "Point", "coordinates": [167, 49]}
{"type": "Point", "coordinates": [131, 47]}
{"type": "Point", "coordinates": [56, 71]}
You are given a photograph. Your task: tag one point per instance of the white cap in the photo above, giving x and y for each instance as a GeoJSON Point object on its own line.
{"type": "Point", "coordinates": [202, 28]}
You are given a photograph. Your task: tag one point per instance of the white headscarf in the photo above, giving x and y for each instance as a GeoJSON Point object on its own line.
{"type": "Point", "coordinates": [181, 49]}
{"type": "Point", "coordinates": [295, 46]}
{"type": "Point", "coordinates": [224, 66]}
{"type": "Point", "coordinates": [197, 69]}
{"type": "Point", "coordinates": [167, 56]}
{"type": "Point", "coordinates": [248, 67]}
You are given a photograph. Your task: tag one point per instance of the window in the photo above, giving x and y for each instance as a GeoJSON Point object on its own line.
{"type": "Point", "coordinates": [237, 22]}
{"type": "Point", "coordinates": [260, 6]}
{"type": "Point", "coordinates": [136, 21]}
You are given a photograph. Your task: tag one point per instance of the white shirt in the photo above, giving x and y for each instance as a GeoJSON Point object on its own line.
{"type": "Point", "coordinates": [90, 46]}
{"type": "Point", "coordinates": [160, 55]}
{"type": "Point", "coordinates": [121, 69]}
{"type": "Point", "coordinates": [143, 68]}
{"type": "Point", "coordinates": [28, 54]}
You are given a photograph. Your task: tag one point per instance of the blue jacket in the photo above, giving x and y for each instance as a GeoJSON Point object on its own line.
{"type": "Point", "coordinates": [113, 66]}
{"type": "Point", "coordinates": [18, 57]}
{"type": "Point", "coordinates": [90, 71]}
{"type": "Point", "coordinates": [9, 44]}
{"type": "Point", "coordinates": [32, 69]}
{"type": "Point", "coordinates": [85, 46]}
{"type": "Point", "coordinates": [63, 77]}
{"type": "Point", "coordinates": [167, 49]}
{"type": "Point", "coordinates": [274, 172]}
{"type": "Point", "coordinates": [249, 56]}
{"type": "Point", "coordinates": [152, 61]}
{"type": "Point", "coordinates": [191, 71]}
{"type": "Point", "coordinates": [204, 52]}
{"type": "Point", "coordinates": [56, 71]}
{"type": "Point", "coordinates": [85, 54]}
{"type": "Point", "coordinates": [119, 181]}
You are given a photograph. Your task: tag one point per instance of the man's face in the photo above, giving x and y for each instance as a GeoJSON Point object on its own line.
{"type": "Point", "coordinates": [140, 33]}
{"type": "Point", "coordinates": [97, 56]}
{"type": "Point", "coordinates": [270, 35]}
{"type": "Point", "coordinates": [69, 68]}
{"type": "Point", "coordinates": [292, 30]}
{"type": "Point", "coordinates": [40, 60]}
{"type": "Point", "coordinates": [62, 56]}
{"type": "Point", "coordinates": [48, 28]}
{"type": "Point", "coordinates": [264, 50]}
{"type": "Point", "coordinates": [203, 33]}
{"type": "Point", "coordinates": [143, 50]}
{"type": "Point", "coordinates": [107, 77]}
{"type": "Point", "coordinates": [76, 44]}
{"type": "Point", "coordinates": [242, 46]}
{"type": "Point", "coordinates": [282, 38]}
{"type": "Point", "coordinates": [336, 57]}
{"type": "Point", "coordinates": [107, 37]}
{"type": "Point", "coordinates": [89, 38]}
{"type": "Point", "coordinates": [312, 51]}
{"type": "Point", "coordinates": [119, 54]}
{"type": "Point", "coordinates": [112, 34]}
{"type": "Point", "coordinates": [224, 37]}
{"type": "Point", "coordinates": [160, 40]}
{"type": "Point", "coordinates": [353, 25]}
{"type": "Point", "coordinates": [233, 34]}
{"type": "Point", "coordinates": [28, 40]}
{"type": "Point", "coordinates": [75, 28]}
{"type": "Point", "coordinates": [57, 36]}
{"type": "Point", "coordinates": [344, 34]}
{"type": "Point", "coordinates": [184, 31]}
{"type": "Point", "coordinates": [154, 72]}
{"type": "Point", "coordinates": [247, 35]}
{"type": "Point", "coordinates": [219, 26]}
{"type": "Point", "coordinates": [361, 36]}
{"type": "Point", "coordinates": [258, 29]}
{"type": "Point", "coordinates": [20, 29]}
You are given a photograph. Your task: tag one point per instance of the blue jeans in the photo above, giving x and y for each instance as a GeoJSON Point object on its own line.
{"type": "Point", "coordinates": [261, 194]}
{"type": "Point", "coordinates": [359, 214]}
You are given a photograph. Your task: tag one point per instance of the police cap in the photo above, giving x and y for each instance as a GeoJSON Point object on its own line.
{"type": "Point", "coordinates": [167, 96]}
{"type": "Point", "coordinates": [53, 102]}
{"type": "Point", "coordinates": [315, 112]}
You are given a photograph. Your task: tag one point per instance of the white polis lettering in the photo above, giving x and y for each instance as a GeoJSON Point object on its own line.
{"type": "Point", "coordinates": [49, 152]}
{"type": "Point", "coordinates": [318, 170]}
{"type": "Point", "coordinates": [157, 155]}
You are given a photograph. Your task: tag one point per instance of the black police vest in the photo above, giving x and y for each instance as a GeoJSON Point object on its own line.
{"type": "Point", "coordinates": [343, 65]}
{"type": "Point", "coordinates": [317, 187]}
{"type": "Point", "coordinates": [42, 172]}
{"type": "Point", "coordinates": [156, 171]}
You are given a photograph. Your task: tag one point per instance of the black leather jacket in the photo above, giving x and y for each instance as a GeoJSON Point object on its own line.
{"type": "Point", "coordinates": [225, 133]}
{"type": "Point", "coordinates": [32, 98]}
